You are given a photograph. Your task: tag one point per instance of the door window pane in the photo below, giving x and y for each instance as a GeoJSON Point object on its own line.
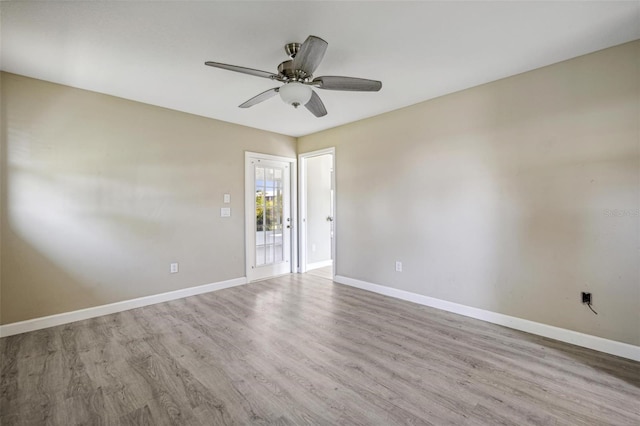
{"type": "Point", "coordinates": [269, 215]}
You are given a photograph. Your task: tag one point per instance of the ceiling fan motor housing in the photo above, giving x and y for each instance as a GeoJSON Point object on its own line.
{"type": "Point", "coordinates": [286, 70]}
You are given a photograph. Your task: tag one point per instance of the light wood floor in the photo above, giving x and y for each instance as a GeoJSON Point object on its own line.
{"type": "Point", "coordinates": [324, 272]}
{"type": "Point", "coordinates": [301, 350]}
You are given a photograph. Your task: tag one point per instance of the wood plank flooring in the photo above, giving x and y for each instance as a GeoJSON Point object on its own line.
{"type": "Point", "coordinates": [300, 350]}
{"type": "Point", "coordinates": [324, 272]}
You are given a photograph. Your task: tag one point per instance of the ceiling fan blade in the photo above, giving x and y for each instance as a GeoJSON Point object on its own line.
{"type": "Point", "coordinates": [267, 94]}
{"type": "Point", "coordinates": [310, 54]}
{"type": "Point", "coordinates": [243, 70]}
{"type": "Point", "coordinates": [316, 106]}
{"type": "Point", "coordinates": [347, 83]}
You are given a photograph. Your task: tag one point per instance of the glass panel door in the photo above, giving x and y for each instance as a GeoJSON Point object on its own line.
{"type": "Point", "coordinates": [268, 218]}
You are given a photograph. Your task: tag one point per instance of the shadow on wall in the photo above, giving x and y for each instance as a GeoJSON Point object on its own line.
{"type": "Point", "coordinates": [62, 234]}
{"type": "Point", "coordinates": [100, 195]}
{"type": "Point", "coordinates": [60, 288]}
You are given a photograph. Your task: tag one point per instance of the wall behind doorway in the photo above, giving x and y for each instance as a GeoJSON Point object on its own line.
{"type": "Point", "coordinates": [319, 207]}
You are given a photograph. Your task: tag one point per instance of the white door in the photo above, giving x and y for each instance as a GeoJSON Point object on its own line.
{"type": "Point", "coordinates": [268, 220]}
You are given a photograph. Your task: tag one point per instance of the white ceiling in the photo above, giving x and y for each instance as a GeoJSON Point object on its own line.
{"type": "Point", "coordinates": [154, 52]}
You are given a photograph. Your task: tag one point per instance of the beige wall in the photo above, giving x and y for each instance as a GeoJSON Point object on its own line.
{"type": "Point", "coordinates": [100, 195]}
{"type": "Point", "coordinates": [511, 197]}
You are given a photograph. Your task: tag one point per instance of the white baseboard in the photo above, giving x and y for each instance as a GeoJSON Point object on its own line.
{"type": "Point", "coordinates": [111, 308]}
{"type": "Point", "coordinates": [317, 265]}
{"type": "Point", "coordinates": [612, 347]}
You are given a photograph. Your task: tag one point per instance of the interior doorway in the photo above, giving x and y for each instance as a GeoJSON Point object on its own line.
{"type": "Point", "coordinates": [269, 221]}
{"type": "Point", "coordinates": [317, 212]}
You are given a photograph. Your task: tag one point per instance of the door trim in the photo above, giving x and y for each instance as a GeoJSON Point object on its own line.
{"type": "Point", "coordinates": [249, 213]}
{"type": "Point", "coordinates": [302, 235]}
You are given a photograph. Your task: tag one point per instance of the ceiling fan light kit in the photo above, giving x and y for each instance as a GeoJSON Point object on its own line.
{"type": "Point", "coordinates": [295, 93]}
{"type": "Point", "coordinates": [296, 74]}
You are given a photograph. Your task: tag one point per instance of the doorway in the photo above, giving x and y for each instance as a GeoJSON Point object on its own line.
{"type": "Point", "coordinates": [317, 212]}
{"type": "Point", "coordinates": [269, 220]}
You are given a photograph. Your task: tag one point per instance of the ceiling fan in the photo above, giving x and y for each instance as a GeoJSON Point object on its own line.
{"type": "Point", "coordinates": [297, 76]}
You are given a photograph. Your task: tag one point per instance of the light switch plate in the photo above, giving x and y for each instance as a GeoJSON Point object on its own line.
{"type": "Point", "coordinates": [227, 198]}
{"type": "Point", "coordinates": [225, 212]}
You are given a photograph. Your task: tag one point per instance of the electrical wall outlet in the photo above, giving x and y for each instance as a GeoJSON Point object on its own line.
{"type": "Point", "coordinates": [173, 268]}
{"type": "Point", "coordinates": [398, 266]}
{"type": "Point", "coordinates": [586, 298]}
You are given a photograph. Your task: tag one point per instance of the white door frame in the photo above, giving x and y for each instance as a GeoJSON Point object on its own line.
{"type": "Point", "coordinates": [302, 164]}
{"type": "Point", "coordinates": [249, 208]}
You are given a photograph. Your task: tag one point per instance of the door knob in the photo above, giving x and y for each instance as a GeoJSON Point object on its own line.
{"type": "Point", "coordinates": [329, 219]}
